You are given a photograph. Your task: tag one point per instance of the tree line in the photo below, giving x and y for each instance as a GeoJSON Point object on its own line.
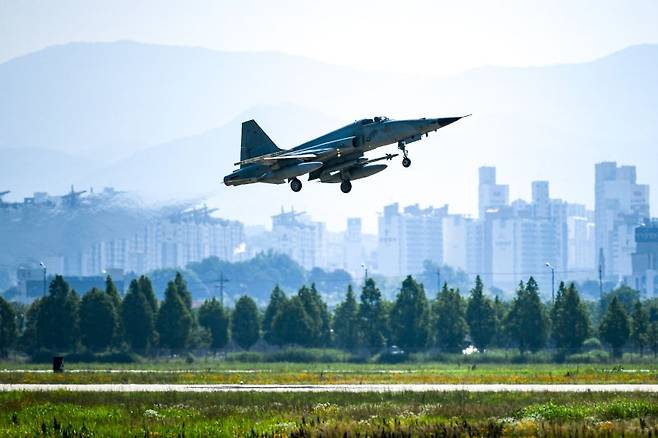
{"type": "Point", "coordinates": [102, 320]}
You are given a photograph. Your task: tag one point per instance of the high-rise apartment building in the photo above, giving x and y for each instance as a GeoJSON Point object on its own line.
{"type": "Point", "coordinates": [520, 239]}
{"type": "Point", "coordinates": [620, 206]}
{"type": "Point", "coordinates": [645, 260]}
{"type": "Point", "coordinates": [462, 243]}
{"type": "Point", "coordinates": [295, 235]}
{"type": "Point", "coordinates": [354, 251]}
{"type": "Point", "coordinates": [170, 242]}
{"type": "Point", "coordinates": [409, 238]}
{"type": "Point", "coordinates": [490, 194]}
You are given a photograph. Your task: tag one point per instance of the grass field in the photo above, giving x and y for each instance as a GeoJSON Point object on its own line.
{"type": "Point", "coordinates": [331, 414]}
{"type": "Point", "coordinates": [215, 371]}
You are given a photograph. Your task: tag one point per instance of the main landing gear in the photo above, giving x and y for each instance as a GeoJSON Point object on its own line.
{"type": "Point", "coordinates": [346, 186]}
{"type": "Point", "coordinates": [295, 185]}
{"type": "Point", "coordinates": [406, 162]}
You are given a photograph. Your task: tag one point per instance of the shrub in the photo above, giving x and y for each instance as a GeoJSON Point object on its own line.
{"type": "Point", "coordinates": [592, 344]}
{"type": "Point", "coordinates": [189, 358]}
{"type": "Point", "coordinates": [593, 356]}
{"type": "Point", "coordinates": [389, 357]}
{"type": "Point", "coordinates": [46, 356]}
{"type": "Point", "coordinates": [245, 357]}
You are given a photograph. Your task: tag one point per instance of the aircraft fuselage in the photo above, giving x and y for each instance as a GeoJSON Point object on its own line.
{"type": "Point", "coordinates": [335, 157]}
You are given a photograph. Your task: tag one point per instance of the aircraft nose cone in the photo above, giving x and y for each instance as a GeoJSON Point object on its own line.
{"type": "Point", "coordinates": [445, 121]}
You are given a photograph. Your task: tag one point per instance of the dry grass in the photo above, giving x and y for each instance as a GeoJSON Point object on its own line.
{"type": "Point", "coordinates": [331, 414]}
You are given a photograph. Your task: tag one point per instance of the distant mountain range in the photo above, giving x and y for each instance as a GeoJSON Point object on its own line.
{"type": "Point", "coordinates": [164, 121]}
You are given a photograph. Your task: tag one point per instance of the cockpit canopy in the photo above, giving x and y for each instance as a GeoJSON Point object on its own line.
{"type": "Point", "coordinates": [377, 119]}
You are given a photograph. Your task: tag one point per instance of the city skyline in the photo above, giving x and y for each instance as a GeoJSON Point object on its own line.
{"type": "Point", "coordinates": [508, 241]}
{"type": "Point", "coordinates": [370, 223]}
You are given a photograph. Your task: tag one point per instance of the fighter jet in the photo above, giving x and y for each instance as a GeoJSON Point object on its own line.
{"type": "Point", "coordinates": [336, 157]}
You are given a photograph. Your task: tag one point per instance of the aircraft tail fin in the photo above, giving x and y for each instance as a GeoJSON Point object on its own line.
{"type": "Point", "coordinates": [255, 142]}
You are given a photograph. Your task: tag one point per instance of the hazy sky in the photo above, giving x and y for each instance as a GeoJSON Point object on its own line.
{"type": "Point", "coordinates": [424, 36]}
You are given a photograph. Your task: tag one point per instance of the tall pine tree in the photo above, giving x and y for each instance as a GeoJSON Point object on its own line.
{"type": "Point", "coordinates": [316, 309]}
{"type": "Point", "coordinates": [346, 322]}
{"type": "Point", "coordinates": [145, 287]}
{"type": "Point", "coordinates": [372, 317]}
{"type": "Point", "coordinates": [410, 317]}
{"type": "Point", "coordinates": [174, 320]}
{"type": "Point", "coordinates": [113, 293]}
{"type": "Point", "coordinates": [245, 324]}
{"type": "Point", "coordinates": [480, 316]}
{"type": "Point", "coordinates": [29, 341]}
{"type": "Point", "coordinates": [8, 327]}
{"type": "Point", "coordinates": [57, 321]}
{"type": "Point", "coordinates": [138, 317]}
{"type": "Point", "coordinates": [639, 327]}
{"type": "Point", "coordinates": [214, 318]}
{"type": "Point", "coordinates": [98, 320]}
{"type": "Point", "coordinates": [183, 292]}
{"type": "Point", "coordinates": [325, 318]}
{"type": "Point", "coordinates": [292, 324]}
{"type": "Point", "coordinates": [614, 329]}
{"type": "Point", "coordinates": [570, 320]}
{"type": "Point", "coordinates": [652, 331]}
{"type": "Point", "coordinates": [277, 300]}
{"type": "Point", "coordinates": [526, 321]}
{"type": "Point", "coordinates": [450, 326]}
{"type": "Point", "coordinates": [501, 336]}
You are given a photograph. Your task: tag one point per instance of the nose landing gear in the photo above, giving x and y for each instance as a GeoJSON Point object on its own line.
{"type": "Point", "coordinates": [295, 185]}
{"type": "Point", "coordinates": [406, 162]}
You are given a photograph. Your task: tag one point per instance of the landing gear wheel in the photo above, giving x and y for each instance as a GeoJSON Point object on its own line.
{"type": "Point", "coordinates": [345, 186]}
{"type": "Point", "coordinates": [295, 185]}
{"type": "Point", "coordinates": [406, 162]}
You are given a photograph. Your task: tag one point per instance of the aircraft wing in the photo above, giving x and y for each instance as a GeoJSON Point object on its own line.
{"type": "Point", "coordinates": [286, 155]}
{"type": "Point", "coordinates": [312, 152]}
{"type": "Point", "coordinates": [275, 157]}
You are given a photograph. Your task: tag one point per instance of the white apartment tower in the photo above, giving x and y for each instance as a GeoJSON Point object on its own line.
{"type": "Point", "coordinates": [490, 194]}
{"type": "Point", "coordinates": [407, 239]}
{"type": "Point", "coordinates": [621, 205]}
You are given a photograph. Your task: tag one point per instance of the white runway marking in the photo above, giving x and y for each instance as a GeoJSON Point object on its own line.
{"type": "Point", "coordinates": [652, 388]}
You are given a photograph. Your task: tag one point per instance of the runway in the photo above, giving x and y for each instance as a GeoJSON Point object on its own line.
{"type": "Point", "coordinates": [383, 388]}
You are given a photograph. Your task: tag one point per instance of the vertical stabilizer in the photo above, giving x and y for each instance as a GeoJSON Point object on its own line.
{"type": "Point", "coordinates": [255, 142]}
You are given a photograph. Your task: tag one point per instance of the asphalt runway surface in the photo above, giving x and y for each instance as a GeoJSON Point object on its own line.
{"type": "Point", "coordinates": [611, 388]}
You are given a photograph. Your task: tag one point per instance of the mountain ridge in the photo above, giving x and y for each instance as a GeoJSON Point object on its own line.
{"type": "Point", "coordinates": [552, 122]}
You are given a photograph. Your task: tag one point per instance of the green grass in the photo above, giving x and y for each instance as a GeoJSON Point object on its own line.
{"type": "Point", "coordinates": [220, 371]}
{"type": "Point", "coordinates": [327, 414]}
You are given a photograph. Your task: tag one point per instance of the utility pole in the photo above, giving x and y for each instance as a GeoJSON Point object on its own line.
{"type": "Point", "coordinates": [600, 281]}
{"type": "Point", "coordinates": [43, 267]}
{"type": "Point", "coordinates": [601, 269]}
{"type": "Point", "coordinates": [221, 281]}
{"type": "Point", "coordinates": [549, 266]}
{"type": "Point", "coordinates": [438, 279]}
